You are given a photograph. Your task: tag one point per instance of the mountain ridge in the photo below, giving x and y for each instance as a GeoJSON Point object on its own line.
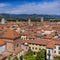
{"type": "Point", "coordinates": [2, 15]}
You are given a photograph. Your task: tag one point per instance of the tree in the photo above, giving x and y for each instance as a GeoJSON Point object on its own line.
{"type": "Point", "coordinates": [21, 57]}
{"type": "Point", "coordinates": [29, 52]}
{"type": "Point", "coordinates": [9, 58]}
{"type": "Point", "coordinates": [41, 55]}
{"type": "Point", "coordinates": [16, 58]}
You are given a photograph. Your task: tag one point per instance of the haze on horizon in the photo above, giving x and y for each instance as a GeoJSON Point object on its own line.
{"type": "Point", "coordinates": [51, 7]}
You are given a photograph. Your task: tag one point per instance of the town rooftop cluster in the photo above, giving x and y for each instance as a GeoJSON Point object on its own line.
{"type": "Point", "coordinates": [17, 37]}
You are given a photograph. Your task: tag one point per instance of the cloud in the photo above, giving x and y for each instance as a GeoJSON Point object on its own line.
{"type": "Point", "coordinates": [36, 8]}
{"type": "Point", "coordinates": [2, 5]}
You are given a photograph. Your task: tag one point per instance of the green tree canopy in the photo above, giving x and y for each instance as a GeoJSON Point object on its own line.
{"type": "Point", "coordinates": [41, 55]}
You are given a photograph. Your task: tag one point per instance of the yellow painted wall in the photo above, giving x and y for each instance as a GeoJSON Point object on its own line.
{"type": "Point", "coordinates": [36, 46]}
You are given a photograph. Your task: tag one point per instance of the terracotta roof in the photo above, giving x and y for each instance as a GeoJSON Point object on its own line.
{"type": "Point", "coordinates": [57, 42]}
{"type": "Point", "coordinates": [10, 34]}
{"type": "Point", "coordinates": [43, 42]}
{"type": "Point", "coordinates": [50, 44]}
{"type": "Point", "coordinates": [7, 40]}
{"type": "Point", "coordinates": [2, 42]}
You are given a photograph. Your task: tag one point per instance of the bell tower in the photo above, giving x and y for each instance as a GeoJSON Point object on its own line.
{"type": "Point", "coordinates": [3, 21]}
{"type": "Point", "coordinates": [42, 19]}
{"type": "Point", "coordinates": [29, 21]}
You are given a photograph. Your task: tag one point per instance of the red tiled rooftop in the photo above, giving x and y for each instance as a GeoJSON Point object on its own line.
{"type": "Point", "coordinates": [2, 42]}
{"type": "Point", "coordinates": [10, 34]}
{"type": "Point", "coordinates": [43, 42]}
{"type": "Point", "coordinates": [50, 44]}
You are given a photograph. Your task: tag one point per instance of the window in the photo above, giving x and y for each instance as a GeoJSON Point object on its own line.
{"type": "Point", "coordinates": [54, 51]}
{"type": "Point", "coordinates": [59, 52]}
{"type": "Point", "coordinates": [36, 48]}
{"type": "Point", "coordinates": [39, 48]}
{"type": "Point", "coordinates": [36, 44]}
{"type": "Point", "coordinates": [32, 47]}
{"type": "Point", "coordinates": [54, 47]}
{"type": "Point", "coordinates": [29, 47]}
{"type": "Point", "coordinates": [59, 48]}
{"type": "Point", "coordinates": [49, 54]}
{"type": "Point", "coordinates": [48, 51]}
{"type": "Point", "coordinates": [32, 44]}
{"type": "Point", "coordinates": [40, 45]}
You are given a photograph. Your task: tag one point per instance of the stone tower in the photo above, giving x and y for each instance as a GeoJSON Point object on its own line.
{"type": "Point", "coordinates": [29, 21]}
{"type": "Point", "coordinates": [3, 21]}
{"type": "Point", "coordinates": [42, 19]}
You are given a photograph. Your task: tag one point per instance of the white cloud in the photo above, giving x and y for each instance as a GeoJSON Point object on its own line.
{"type": "Point", "coordinates": [38, 8]}
{"type": "Point", "coordinates": [2, 5]}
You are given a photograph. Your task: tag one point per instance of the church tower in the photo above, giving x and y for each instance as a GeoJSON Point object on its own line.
{"type": "Point", "coordinates": [42, 19]}
{"type": "Point", "coordinates": [29, 21]}
{"type": "Point", "coordinates": [3, 21]}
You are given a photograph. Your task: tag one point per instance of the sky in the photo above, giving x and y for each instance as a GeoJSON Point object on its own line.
{"type": "Point", "coordinates": [51, 7]}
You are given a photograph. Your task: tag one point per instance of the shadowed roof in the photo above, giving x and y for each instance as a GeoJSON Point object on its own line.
{"type": "Point", "coordinates": [10, 34]}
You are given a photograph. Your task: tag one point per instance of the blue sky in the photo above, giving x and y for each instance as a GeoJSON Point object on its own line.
{"type": "Point", "coordinates": [30, 6]}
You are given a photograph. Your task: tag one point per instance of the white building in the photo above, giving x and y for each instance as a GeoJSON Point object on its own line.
{"type": "Point", "coordinates": [53, 50]}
